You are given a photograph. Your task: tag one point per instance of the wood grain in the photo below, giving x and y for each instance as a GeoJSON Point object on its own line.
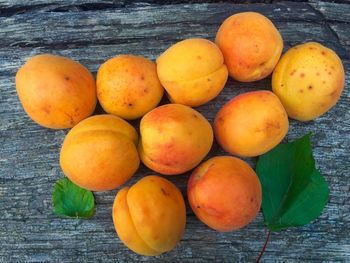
{"type": "Point", "coordinates": [30, 232]}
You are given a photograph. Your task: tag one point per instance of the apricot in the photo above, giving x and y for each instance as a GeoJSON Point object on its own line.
{"type": "Point", "coordinates": [128, 86]}
{"type": "Point", "coordinates": [56, 92]}
{"type": "Point", "coordinates": [100, 153]}
{"type": "Point", "coordinates": [224, 193]}
{"type": "Point", "coordinates": [150, 216]}
{"type": "Point", "coordinates": [251, 124]}
{"type": "Point", "coordinates": [251, 46]}
{"type": "Point", "coordinates": [309, 80]}
{"type": "Point", "coordinates": [192, 71]}
{"type": "Point", "coordinates": [174, 139]}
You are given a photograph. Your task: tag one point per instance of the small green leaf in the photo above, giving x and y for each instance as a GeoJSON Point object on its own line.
{"type": "Point", "coordinates": [71, 200]}
{"type": "Point", "coordinates": [294, 191]}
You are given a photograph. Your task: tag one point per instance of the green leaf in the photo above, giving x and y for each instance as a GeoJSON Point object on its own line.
{"type": "Point", "coordinates": [71, 200]}
{"type": "Point", "coordinates": [294, 191]}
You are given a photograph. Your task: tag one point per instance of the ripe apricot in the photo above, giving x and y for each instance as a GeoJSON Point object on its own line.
{"type": "Point", "coordinates": [100, 153]}
{"type": "Point", "coordinates": [56, 92]}
{"type": "Point", "coordinates": [309, 80]}
{"type": "Point", "coordinates": [150, 216]}
{"type": "Point", "coordinates": [251, 123]}
{"type": "Point", "coordinates": [128, 86]}
{"type": "Point", "coordinates": [224, 193]}
{"type": "Point", "coordinates": [174, 139]}
{"type": "Point", "coordinates": [251, 46]}
{"type": "Point", "coordinates": [192, 71]}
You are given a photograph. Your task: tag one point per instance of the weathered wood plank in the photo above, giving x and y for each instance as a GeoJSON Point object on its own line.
{"type": "Point", "coordinates": [29, 232]}
{"type": "Point", "coordinates": [98, 4]}
{"type": "Point", "coordinates": [12, 3]}
{"type": "Point", "coordinates": [150, 23]}
{"type": "Point", "coordinates": [333, 12]}
{"type": "Point", "coordinates": [153, 25]}
{"type": "Point", "coordinates": [342, 31]}
{"type": "Point", "coordinates": [143, 22]}
{"type": "Point", "coordinates": [338, 19]}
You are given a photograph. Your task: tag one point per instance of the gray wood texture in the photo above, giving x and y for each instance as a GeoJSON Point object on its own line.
{"type": "Point", "coordinates": [30, 232]}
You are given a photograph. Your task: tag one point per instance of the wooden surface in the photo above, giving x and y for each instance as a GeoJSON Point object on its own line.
{"type": "Point", "coordinates": [92, 33]}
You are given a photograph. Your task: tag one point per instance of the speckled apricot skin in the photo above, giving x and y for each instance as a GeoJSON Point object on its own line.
{"type": "Point", "coordinates": [309, 80]}
{"type": "Point", "coordinates": [251, 46]}
{"type": "Point", "coordinates": [150, 216]}
{"type": "Point", "coordinates": [100, 153]}
{"type": "Point", "coordinates": [225, 193]}
{"type": "Point", "coordinates": [251, 124]}
{"type": "Point", "coordinates": [192, 71]}
{"type": "Point", "coordinates": [56, 92]}
{"type": "Point", "coordinates": [174, 139]}
{"type": "Point", "coordinates": [128, 86]}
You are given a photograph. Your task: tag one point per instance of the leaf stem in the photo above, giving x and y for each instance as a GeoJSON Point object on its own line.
{"type": "Point", "coordinates": [264, 247]}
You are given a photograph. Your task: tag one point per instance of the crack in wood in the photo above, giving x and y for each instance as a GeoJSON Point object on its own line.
{"type": "Point", "coordinates": [325, 23]}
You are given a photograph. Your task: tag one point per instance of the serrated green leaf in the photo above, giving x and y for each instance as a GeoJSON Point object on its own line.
{"type": "Point", "coordinates": [294, 191]}
{"type": "Point", "coordinates": [71, 200]}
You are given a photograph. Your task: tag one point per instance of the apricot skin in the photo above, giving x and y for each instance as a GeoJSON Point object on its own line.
{"type": "Point", "coordinates": [224, 193]}
{"type": "Point", "coordinates": [309, 80]}
{"type": "Point", "coordinates": [128, 86]}
{"type": "Point", "coordinates": [174, 139]}
{"type": "Point", "coordinates": [150, 216]}
{"type": "Point", "coordinates": [192, 71]}
{"type": "Point", "coordinates": [125, 227]}
{"type": "Point", "coordinates": [100, 153]}
{"type": "Point", "coordinates": [56, 92]}
{"type": "Point", "coordinates": [251, 132]}
{"type": "Point", "coordinates": [251, 46]}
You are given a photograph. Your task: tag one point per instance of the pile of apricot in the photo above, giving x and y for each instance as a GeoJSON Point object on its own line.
{"type": "Point", "coordinates": [103, 151]}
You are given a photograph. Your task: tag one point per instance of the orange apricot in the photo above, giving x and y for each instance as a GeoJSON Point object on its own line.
{"type": "Point", "coordinates": [150, 216]}
{"type": "Point", "coordinates": [251, 123]}
{"type": "Point", "coordinates": [56, 92]}
{"type": "Point", "coordinates": [128, 86]}
{"type": "Point", "coordinates": [251, 46]}
{"type": "Point", "coordinates": [100, 153]}
{"type": "Point", "coordinates": [224, 193]}
{"type": "Point", "coordinates": [192, 71]}
{"type": "Point", "coordinates": [174, 139]}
